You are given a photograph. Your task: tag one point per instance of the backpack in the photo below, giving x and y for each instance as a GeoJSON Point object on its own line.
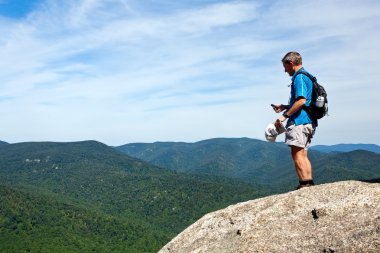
{"type": "Point", "coordinates": [318, 107]}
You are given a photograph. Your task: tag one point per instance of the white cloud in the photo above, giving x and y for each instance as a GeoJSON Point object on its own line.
{"type": "Point", "coordinates": [119, 72]}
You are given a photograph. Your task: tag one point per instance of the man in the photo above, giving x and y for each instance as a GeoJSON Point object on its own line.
{"type": "Point", "coordinates": [300, 127]}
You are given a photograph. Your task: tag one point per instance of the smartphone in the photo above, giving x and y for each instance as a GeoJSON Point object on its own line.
{"type": "Point", "coordinates": [275, 107]}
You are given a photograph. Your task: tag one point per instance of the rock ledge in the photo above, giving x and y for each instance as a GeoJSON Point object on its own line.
{"type": "Point", "coordinates": [338, 217]}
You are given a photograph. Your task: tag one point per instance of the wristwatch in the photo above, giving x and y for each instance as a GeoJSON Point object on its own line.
{"type": "Point", "coordinates": [285, 115]}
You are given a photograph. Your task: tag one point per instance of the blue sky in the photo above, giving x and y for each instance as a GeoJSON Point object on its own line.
{"type": "Point", "coordinates": [122, 71]}
{"type": "Point", "coordinates": [16, 8]}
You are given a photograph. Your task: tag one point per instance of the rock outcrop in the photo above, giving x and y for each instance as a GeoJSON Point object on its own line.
{"type": "Point", "coordinates": [338, 217]}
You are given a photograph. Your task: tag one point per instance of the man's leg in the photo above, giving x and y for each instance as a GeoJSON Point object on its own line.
{"type": "Point", "coordinates": [301, 163]}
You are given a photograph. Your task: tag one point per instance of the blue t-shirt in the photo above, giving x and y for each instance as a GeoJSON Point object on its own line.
{"type": "Point", "coordinates": [302, 87]}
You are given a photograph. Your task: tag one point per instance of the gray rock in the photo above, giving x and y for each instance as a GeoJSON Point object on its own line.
{"type": "Point", "coordinates": [338, 217]}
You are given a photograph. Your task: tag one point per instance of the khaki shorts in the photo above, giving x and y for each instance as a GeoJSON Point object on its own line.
{"type": "Point", "coordinates": [300, 135]}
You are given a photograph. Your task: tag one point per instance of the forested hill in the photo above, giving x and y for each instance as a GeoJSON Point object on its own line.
{"type": "Point", "coordinates": [241, 158]}
{"type": "Point", "coordinates": [3, 143]}
{"type": "Point", "coordinates": [86, 196]}
{"type": "Point", "coordinates": [89, 197]}
{"type": "Point", "coordinates": [347, 148]}
{"type": "Point", "coordinates": [255, 161]}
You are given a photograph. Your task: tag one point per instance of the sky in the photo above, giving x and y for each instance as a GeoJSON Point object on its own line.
{"type": "Point", "coordinates": [124, 71]}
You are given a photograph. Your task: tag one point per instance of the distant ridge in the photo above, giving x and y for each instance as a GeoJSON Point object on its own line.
{"type": "Point", "coordinates": [3, 143]}
{"type": "Point", "coordinates": [252, 160]}
{"type": "Point", "coordinates": [346, 148]}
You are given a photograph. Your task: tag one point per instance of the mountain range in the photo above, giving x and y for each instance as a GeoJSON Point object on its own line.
{"type": "Point", "coordinates": [254, 161]}
{"type": "Point", "coordinates": [3, 143]}
{"type": "Point", "coordinates": [90, 197]}
{"type": "Point", "coordinates": [347, 148]}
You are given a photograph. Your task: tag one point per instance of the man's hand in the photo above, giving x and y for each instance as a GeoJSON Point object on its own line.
{"type": "Point", "coordinates": [278, 108]}
{"type": "Point", "coordinates": [279, 121]}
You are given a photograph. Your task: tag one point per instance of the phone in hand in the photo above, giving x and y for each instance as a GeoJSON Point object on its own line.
{"type": "Point", "coordinates": [275, 107]}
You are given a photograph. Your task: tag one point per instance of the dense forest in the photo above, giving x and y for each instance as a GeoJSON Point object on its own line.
{"type": "Point", "coordinates": [254, 161]}
{"type": "Point", "coordinates": [88, 197]}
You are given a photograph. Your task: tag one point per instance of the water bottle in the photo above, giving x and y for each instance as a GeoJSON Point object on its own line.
{"type": "Point", "coordinates": [320, 101]}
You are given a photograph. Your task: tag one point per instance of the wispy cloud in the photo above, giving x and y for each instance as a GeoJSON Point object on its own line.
{"type": "Point", "coordinates": [135, 68]}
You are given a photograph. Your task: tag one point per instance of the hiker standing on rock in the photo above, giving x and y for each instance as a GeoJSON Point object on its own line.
{"type": "Point", "coordinates": [300, 127]}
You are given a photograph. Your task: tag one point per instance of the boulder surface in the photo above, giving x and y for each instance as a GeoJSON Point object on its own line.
{"type": "Point", "coordinates": [337, 217]}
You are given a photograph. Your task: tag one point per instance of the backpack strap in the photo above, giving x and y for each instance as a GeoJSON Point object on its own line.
{"type": "Point", "coordinates": [313, 80]}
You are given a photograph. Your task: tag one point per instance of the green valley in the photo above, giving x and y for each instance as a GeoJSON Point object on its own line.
{"type": "Point", "coordinates": [88, 197]}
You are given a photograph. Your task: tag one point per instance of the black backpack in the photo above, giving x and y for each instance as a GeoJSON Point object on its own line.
{"type": "Point", "coordinates": [318, 107]}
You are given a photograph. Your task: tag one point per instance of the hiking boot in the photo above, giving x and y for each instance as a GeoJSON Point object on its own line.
{"type": "Point", "coordinates": [303, 186]}
{"type": "Point", "coordinates": [305, 183]}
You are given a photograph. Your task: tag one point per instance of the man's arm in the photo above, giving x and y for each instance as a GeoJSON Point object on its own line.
{"type": "Point", "coordinates": [295, 108]}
